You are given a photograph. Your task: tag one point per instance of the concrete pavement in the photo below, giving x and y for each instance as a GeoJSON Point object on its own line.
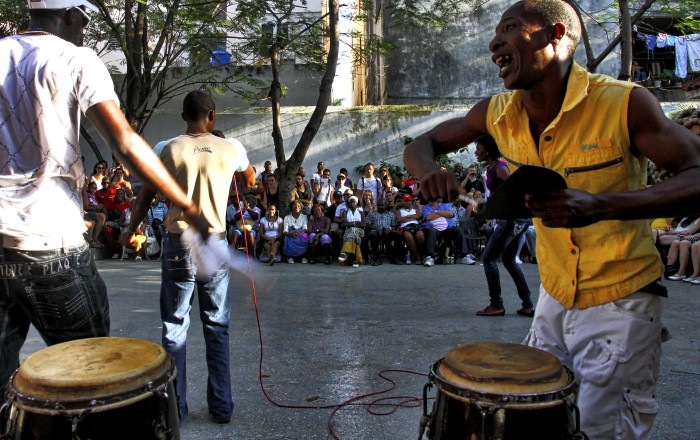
{"type": "Point", "coordinates": [327, 331]}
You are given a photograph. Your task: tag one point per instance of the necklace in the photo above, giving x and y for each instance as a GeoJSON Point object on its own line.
{"type": "Point", "coordinates": [35, 31]}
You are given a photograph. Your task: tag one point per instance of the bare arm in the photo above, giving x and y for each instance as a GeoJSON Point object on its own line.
{"type": "Point", "coordinates": [665, 143]}
{"type": "Point", "coordinates": [445, 138]}
{"type": "Point", "coordinates": [246, 177]}
{"type": "Point", "coordinates": [137, 155]}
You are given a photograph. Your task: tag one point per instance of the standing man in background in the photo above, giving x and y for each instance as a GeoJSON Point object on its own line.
{"type": "Point", "coordinates": [203, 165]}
{"type": "Point", "coordinates": [599, 309]}
{"type": "Point", "coordinates": [47, 275]}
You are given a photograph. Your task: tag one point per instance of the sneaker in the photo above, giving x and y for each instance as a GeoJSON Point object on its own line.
{"type": "Point", "coordinates": [343, 256]}
{"type": "Point", "coordinates": [428, 262]}
{"type": "Point", "coordinates": [278, 258]}
{"type": "Point", "coordinates": [355, 264]}
{"type": "Point", "coordinates": [290, 260]}
{"type": "Point", "coordinates": [676, 277]}
{"type": "Point", "coordinates": [468, 260]}
{"type": "Point", "coordinates": [304, 261]}
{"type": "Point", "coordinates": [518, 260]}
{"type": "Point", "coordinates": [221, 420]}
{"type": "Point", "coordinates": [138, 258]}
{"type": "Point", "coordinates": [115, 256]}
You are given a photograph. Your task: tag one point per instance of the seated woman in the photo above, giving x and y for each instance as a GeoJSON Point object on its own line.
{"type": "Point", "coordinates": [684, 227]}
{"type": "Point", "coordinates": [270, 232]}
{"type": "Point", "coordinates": [121, 182]}
{"type": "Point", "coordinates": [679, 257]}
{"type": "Point", "coordinates": [367, 204]}
{"type": "Point", "coordinates": [319, 229]}
{"type": "Point", "coordinates": [250, 215]}
{"type": "Point", "coordinates": [99, 172]}
{"type": "Point", "coordinates": [694, 278]}
{"type": "Point", "coordinates": [271, 195]}
{"type": "Point", "coordinates": [296, 240]}
{"type": "Point", "coordinates": [353, 219]}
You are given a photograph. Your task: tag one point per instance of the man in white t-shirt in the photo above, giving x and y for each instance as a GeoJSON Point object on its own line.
{"type": "Point", "coordinates": [316, 177]}
{"type": "Point", "coordinates": [371, 183]}
{"type": "Point", "coordinates": [203, 165]}
{"type": "Point", "coordinates": [47, 275]}
{"type": "Point", "coordinates": [323, 189]}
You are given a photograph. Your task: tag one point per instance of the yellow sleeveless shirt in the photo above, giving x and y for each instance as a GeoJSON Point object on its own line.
{"type": "Point", "coordinates": [587, 143]}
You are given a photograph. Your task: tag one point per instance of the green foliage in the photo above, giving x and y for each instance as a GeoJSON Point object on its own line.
{"type": "Point", "coordinates": [686, 11]}
{"type": "Point", "coordinates": [15, 17]}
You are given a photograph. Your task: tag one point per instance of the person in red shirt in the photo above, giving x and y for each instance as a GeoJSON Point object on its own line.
{"type": "Point", "coordinates": [106, 195]}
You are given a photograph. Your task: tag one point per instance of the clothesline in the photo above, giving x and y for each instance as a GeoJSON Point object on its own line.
{"type": "Point", "coordinates": [686, 47]}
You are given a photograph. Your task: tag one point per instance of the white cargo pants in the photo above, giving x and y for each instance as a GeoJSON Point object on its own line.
{"type": "Point", "coordinates": [614, 350]}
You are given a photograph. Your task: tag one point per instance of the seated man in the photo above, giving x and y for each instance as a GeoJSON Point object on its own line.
{"type": "Point", "coordinates": [383, 227]}
{"type": "Point", "coordinates": [439, 223]}
{"type": "Point", "coordinates": [235, 226]}
{"type": "Point", "coordinates": [106, 195]}
{"type": "Point", "coordinates": [408, 214]}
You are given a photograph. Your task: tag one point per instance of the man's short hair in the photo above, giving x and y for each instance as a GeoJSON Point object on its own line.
{"type": "Point", "coordinates": [197, 105]}
{"type": "Point", "coordinates": [557, 11]}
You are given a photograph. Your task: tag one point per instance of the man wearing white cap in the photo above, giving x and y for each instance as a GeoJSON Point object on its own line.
{"type": "Point", "coordinates": [47, 275]}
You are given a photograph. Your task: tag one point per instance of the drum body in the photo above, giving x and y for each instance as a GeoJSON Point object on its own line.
{"type": "Point", "coordinates": [98, 389]}
{"type": "Point", "coordinates": [498, 391]}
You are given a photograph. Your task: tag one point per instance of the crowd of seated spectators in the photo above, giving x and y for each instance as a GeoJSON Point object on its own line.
{"type": "Point", "coordinates": [380, 217]}
{"type": "Point", "coordinates": [107, 210]}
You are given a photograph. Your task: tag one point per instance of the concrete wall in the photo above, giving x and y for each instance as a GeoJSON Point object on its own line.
{"type": "Point", "coordinates": [348, 136]}
{"type": "Point", "coordinates": [452, 65]}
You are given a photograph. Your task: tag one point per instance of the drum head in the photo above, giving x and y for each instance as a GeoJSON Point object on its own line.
{"type": "Point", "coordinates": [501, 368]}
{"type": "Point", "coordinates": [92, 368]}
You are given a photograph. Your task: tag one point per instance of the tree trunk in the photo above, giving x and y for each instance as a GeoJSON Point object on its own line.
{"type": "Point", "coordinates": [593, 65]}
{"type": "Point", "coordinates": [585, 36]}
{"type": "Point", "coordinates": [287, 169]}
{"type": "Point", "coordinates": [626, 41]}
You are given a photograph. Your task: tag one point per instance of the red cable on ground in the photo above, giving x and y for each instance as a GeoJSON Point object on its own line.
{"type": "Point", "coordinates": [404, 401]}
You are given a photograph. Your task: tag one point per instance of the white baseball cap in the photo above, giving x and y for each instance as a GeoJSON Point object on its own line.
{"type": "Point", "coordinates": [59, 4]}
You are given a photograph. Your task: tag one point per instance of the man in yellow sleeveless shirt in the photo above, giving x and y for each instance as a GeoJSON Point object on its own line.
{"type": "Point", "coordinates": [599, 309]}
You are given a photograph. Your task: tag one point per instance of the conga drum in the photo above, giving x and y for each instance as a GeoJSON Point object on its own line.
{"type": "Point", "coordinates": [490, 391]}
{"type": "Point", "coordinates": [98, 389]}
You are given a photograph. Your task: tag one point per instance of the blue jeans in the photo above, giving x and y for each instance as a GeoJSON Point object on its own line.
{"type": "Point", "coordinates": [176, 295]}
{"type": "Point", "coordinates": [59, 292]}
{"type": "Point", "coordinates": [504, 243]}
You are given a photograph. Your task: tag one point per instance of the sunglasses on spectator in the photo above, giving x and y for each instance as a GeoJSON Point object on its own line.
{"type": "Point", "coordinates": [86, 17]}
{"type": "Point", "coordinates": [100, 167]}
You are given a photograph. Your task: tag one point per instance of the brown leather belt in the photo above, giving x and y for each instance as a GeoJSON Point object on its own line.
{"type": "Point", "coordinates": [176, 237]}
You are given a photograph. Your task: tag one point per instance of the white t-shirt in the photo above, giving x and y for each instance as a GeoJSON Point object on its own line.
{"type": "Point", "coordinates": [46, 83]}
{"type": "Point", "coordinates": [203, 166]}
{"type": "Point", "coordinates": [324, 195]}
